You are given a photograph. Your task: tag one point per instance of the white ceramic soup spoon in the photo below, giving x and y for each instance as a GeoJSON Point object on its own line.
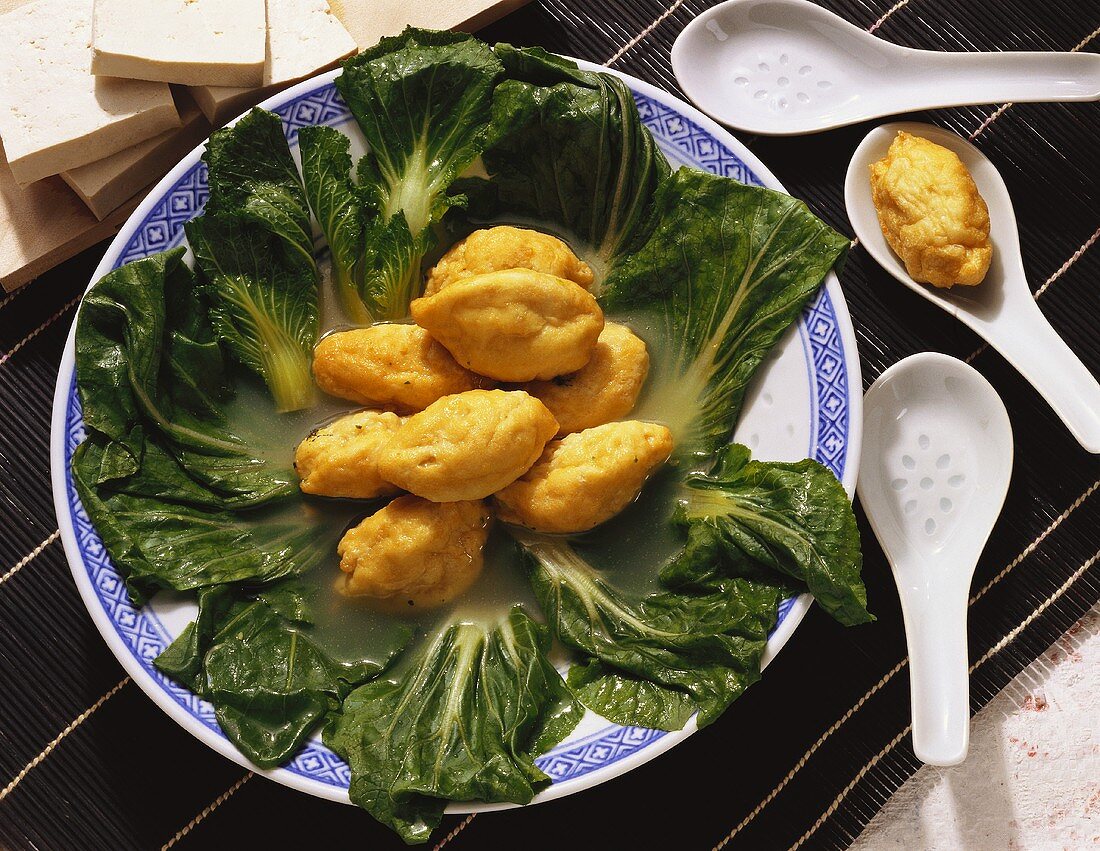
{"type": "Point", "coordinates": [934, 471]}
{"type": "Point", "coordinates": [784, 67]}
{"type": "Point", "coordinates": [1001, 308]}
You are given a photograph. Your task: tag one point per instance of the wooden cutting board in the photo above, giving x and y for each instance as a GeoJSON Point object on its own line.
{"type": "Point", "coordinates": [46, 223]}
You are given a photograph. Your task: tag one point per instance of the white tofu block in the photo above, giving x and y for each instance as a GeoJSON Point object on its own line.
{"type": "Point", "coordinates": [193, 42]}
{"type": "Point", "coordinates": [44, 224]}
{"type": "Point", "coordinates": [54, 115]}
{"type": "Point", "coordinates": [304, 38]}
{"type": "Point", "coordinates": [105, 184]}
{"type": "Point", "coordinates": [221, 103]}
{"type": "Point", "coordinates": [366, 21]}
{"type": "Point", "coordinates": [370, 20]}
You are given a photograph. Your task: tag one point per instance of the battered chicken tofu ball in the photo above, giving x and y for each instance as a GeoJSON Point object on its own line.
{"type": "Point", "coordinates": [507, 247]}
{"type": "Point", "coordinates": [467, 446]}
{"type": "Point", "coordinates": [341, 459]}
{"type": "Point", "coordinates": [585, 478]}
{"type": "Point", "coordinates": [514, 325]}
{"type": "Point", "coordinates": [931, 213]}
{"type": "Point", "coordinates": [415, 554]}
{"type": "Point", "coordinates": [389, 365]}
{"type": "Point", "coordinates": [603, 390]}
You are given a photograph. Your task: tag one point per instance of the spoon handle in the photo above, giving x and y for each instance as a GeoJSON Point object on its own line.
{"type": "Point", "coordinates": [935, 631]}
{"type": "Point", "coordinates": [1031, 345]}
{"type": "Point", "coordinates": [1013, 76]}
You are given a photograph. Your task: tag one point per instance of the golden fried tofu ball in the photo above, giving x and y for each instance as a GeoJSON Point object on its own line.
{"type": "Point", "coordinates": [586, 478]}
{"type": "Point", "coordinates": [507, 247]}
{"type": "Point", "coordinates": [341, 459]}
{"type": "Point", "coordinates": [415, 554]}
{"type": "Point", "coordinates": [604, 389]}
{"type": "Point", "coordinates": [513, 325]}
{"type": "Point", "coordinates": [467, 446]}
{"type": "Point", "coordinates": [389, 365]}
{"type": "Point", "coordinates": [931, 213]}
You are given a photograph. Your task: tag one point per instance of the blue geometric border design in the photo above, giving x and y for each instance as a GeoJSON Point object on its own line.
{"type": "Point", "coordinates": [683, 139]}
{"type": "Point", "coordinates": [818, 326]}
{"type": "Point", "coordinates": [141, 631]}
{"type": "Point", "coordinates": [596, 751]}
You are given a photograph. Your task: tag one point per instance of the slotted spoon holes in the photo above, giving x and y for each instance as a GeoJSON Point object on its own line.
{"type": "Point", "coordinates": [927, 481]}
{"type": "Point", "coordinates": [776, 81]}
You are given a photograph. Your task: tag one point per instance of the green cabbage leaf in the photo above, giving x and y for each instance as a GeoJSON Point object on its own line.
{"type": "Point", "coordinates": [422, 100]}
{"type": "Point", "coordinates": [463, 722]}
{"type": "Point", "coordinates": [254, 247]}
{"type": "Point", "coordinates": [723, 275]}
{"type": "Point", "coordinates": [567, 150]}
{"type": "Point", "coordinates": [272, 685]}
{"type": "Point", "coordinates": [791, 518]}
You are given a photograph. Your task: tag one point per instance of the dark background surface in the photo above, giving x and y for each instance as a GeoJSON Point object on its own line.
{"type": "Point", "coordinates": [129, 777]}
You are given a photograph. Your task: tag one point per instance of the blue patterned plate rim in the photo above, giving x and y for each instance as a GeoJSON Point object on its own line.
{"type": "Point", "coordinates": [136, 636]}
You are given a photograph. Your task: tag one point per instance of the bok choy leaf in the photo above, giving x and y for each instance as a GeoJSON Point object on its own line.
{"type": "Point", "coordinates": [271, 684]}
{"type": "Point", "coordinates": [326, 173]}
{"type": "Point", "coordinates": [723, 275]}
{"type": "Point", "coordinates": [792, 518]}
{"type": "Point", "coordinates": [160, 535]}
{"type": "Point", "coordinates": [253, 178]}
{"type": "Point", "coordinates": [182, 659]}
{"type": "Point", "coordinates": [567, 149]}
{"type": "Point", "coordinates": [658, 659]}
{"type": "Point", "coordinates": [463, 722]}
{"type": "Point", "coordinates": [422, 100]}
{"type": "Point", "coordinates": [149, 370]}
{"type": "Point", "coordinates": [161, 474]}
{"type": "Point", "coordinates": [254, 247]}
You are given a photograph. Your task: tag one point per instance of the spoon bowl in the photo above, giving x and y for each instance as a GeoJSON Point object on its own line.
{"type": "Point", "coordinates": [1001, 309]}
{"type": "Point", "coordinates": [786, 67]}
{"type": "Point", "coordinates": [934, 472]}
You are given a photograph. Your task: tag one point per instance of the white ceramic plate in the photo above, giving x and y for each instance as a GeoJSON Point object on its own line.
{"type": "Point", "coordinates": [805, 402]}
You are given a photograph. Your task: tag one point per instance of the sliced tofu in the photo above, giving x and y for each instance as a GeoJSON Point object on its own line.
{"type": "Point", "coordinates": [193, 42]}
{"type": "Point", "coordinates": [221, 103]}
{"type": "Point", "coordinates": [105, 184]}
{"type": "Point", "coordinates": [304, 37]}
{"type": "Point", "coordinates": [370, 20]}
{"type": "Point", "coordinates": [54, 115]}
{"type": "Point", "coordinates": [44, 224]}
{"type": "Point", "coordinates": [366, 21]}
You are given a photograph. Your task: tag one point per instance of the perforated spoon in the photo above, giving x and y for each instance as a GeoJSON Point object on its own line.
{"type": "Point", "coordinates": [934, 471]}
{"type": "Point", "coordinates": [784, 67]}
{"type": "Point", "coordinates": [1001, 309]}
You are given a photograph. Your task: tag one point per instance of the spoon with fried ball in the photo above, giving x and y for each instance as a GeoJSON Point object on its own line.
{"type": "Point", "coordinates": [934, 216]}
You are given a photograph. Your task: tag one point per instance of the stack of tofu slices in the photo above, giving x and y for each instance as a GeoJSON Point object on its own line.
{"type": "Point", "coordinates": [99, 98]}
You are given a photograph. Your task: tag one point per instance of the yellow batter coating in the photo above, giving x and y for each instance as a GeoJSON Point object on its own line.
{"type": "Point", "coordinates": [506, 247]}
{"type": "Point", "coordinates": [415, 554]}
{"type": "Point", "coordinates": [931, 213]}
{"type": "Point", "coordinates": [604, 389]}
{"type": "Point", "coordinates": [341, 459]}
{"type": "Point", "coordinates": [514, 325]}
{"type": "Point", "coordinates": [586, 478]}
{"type": "Point", "coordinates": [389, 365]}
{"type": "Point", "coordinates": [468, 446]}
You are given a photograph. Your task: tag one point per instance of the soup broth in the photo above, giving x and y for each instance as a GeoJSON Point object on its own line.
{"type": "Point", "coordinates": [629, 549]}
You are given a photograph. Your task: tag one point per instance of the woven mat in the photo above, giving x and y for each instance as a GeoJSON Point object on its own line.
{"type": "Point", "coordinates": [808, 755]}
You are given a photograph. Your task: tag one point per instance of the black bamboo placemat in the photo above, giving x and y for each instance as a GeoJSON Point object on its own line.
{"type": "Point", "coordinates": [808, 755]}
